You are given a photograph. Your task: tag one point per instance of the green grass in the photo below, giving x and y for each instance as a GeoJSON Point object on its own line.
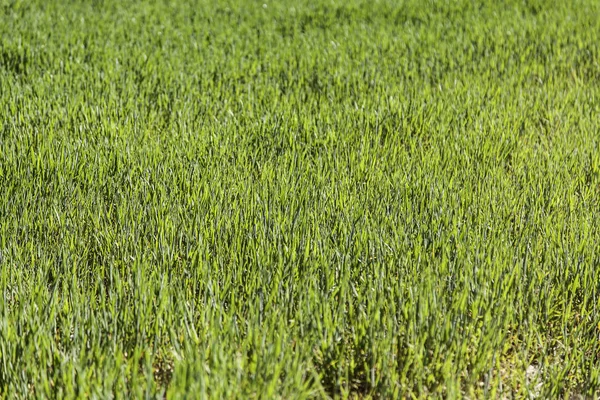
{"type": "Point", "coordinates": [299, 199]}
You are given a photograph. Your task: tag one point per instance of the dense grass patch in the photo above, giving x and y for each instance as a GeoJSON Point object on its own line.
{"type": "Point", "coordinates": [243, 199]}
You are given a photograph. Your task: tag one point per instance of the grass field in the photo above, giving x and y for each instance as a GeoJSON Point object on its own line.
{"type": "Point", "coordinates": [299, 199]}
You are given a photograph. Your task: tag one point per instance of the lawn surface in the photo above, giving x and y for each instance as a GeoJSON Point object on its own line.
{"type": "Point", "coordinates": [299, 199]}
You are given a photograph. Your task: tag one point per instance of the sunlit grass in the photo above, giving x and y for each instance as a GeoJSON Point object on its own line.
{"type": "Point", "coordinates": [299, 199]}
